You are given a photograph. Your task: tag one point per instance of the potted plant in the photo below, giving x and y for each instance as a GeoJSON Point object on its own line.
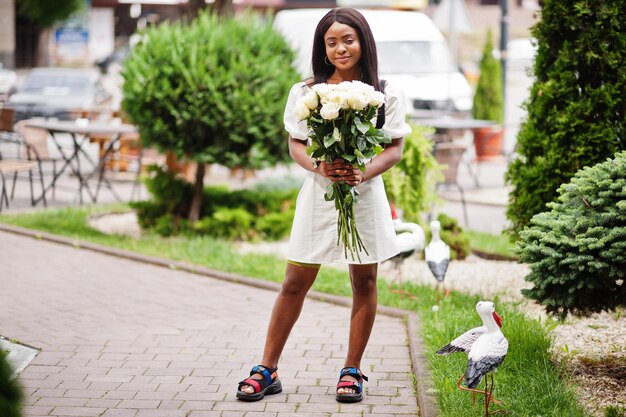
{"type": "Point", "coordinates": [489, 105]}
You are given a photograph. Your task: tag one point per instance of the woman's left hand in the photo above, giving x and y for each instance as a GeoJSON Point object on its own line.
{"type": "Point", "coordinates": [353, 176]}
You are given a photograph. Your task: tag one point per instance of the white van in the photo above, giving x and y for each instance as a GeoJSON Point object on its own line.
{"type": "Point", "coordinates": [412, 53]}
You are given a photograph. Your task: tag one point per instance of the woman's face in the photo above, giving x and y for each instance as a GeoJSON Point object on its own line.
{"type": "Point", "coordinates": [342, 46]}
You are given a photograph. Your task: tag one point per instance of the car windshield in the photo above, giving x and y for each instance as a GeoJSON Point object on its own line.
{"type": "Point", "coordinates": [56, 83]}
{"type": "Point", "coordinates": [410, 57]}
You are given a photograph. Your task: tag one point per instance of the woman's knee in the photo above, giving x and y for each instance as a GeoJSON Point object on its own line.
{"type": "Point", "coordinates": [294, 286]}
{"type": "Point", "coordinates": [364, 280]}
{"type": "Point", "coordinates": [298, 280]}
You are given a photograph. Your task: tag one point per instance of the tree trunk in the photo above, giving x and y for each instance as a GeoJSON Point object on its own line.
{"type": "Point", "coordinates": [43, 48]}
{"type": "Point", "coordinates": [223, 7]}
{"type": "Point", "coordinates": [219, 7]}
{"type": "Point", "coordinates": [198, 189]}
{"type": "Point", "coordinates": [194, 7]}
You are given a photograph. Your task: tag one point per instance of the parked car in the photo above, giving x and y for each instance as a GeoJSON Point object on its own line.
{"type": "Point", "coordinates": [412, 53]}
{"type": "Point", "coordinates": [8, 80]}
{"type": "Point", "coordinates": [57, 92]}
{"type": "Point", "coordinates": [113, 62]}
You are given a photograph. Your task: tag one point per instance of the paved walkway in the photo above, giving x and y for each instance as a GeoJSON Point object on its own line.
{"type": "Point", "coordinates": [123, 338]}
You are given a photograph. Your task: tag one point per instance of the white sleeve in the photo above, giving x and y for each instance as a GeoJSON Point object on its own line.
{"type": "Point", "coordinates": [296, 128]}
{"type": "Point", "coordinates": [395, 113]}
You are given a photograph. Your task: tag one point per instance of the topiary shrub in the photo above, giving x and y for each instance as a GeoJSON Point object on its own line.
{"type": "Point", "coordinates": [577, 251]}
{"type": "Point", "coordinates": [410, 184]}
{"type": "Point", "coordinates": [577, 105]}
{"type": "Point", "coordinates": [488, 99]}
{"type": "Point", "coordinates": [212, 91]}
{"type": "Point", "coordinates": [10, 393]}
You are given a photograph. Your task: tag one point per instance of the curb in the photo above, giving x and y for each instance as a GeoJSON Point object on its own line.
{"type": "Point", "coordinates": [426, 401]}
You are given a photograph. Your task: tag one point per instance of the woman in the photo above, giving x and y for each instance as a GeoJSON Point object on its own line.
{"type": "Point", "coordinates": [343, 50]}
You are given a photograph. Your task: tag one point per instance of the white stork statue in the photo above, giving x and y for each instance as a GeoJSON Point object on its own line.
{"type": "Point", "coordinates": [486, 348]}
{"type": "Point", "coordinates": [437, 255]}
{"type": "Point", "coordinates": [410, 238]}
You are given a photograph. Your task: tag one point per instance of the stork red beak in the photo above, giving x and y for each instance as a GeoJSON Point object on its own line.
{"type": "Point", "coordinates": [498, 319]}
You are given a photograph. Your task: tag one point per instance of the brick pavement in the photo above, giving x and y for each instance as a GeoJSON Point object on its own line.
{"type": "Point", "coordinates": [123, 338]}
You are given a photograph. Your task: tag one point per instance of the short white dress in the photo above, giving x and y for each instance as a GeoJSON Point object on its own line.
{"type": "Point", "coordinates": [313, 236]}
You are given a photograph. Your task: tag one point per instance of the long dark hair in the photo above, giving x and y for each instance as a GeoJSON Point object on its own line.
{"type": "Point", "coordinates": [369, 57]}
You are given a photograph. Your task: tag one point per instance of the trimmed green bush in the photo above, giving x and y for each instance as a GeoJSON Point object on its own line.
{"type": "Point", "coordinates": [245, 214]}
{"type": "Point", "coordinates": [10, 393]}
{"type": "Point", "coordinates": [213, 91]}
{"type": "Point", "coordinates": [577, 106]}
{"type": "Point", "coordinates": [410, 184]}
{"type": "Point", "coordinates": [488, 98]}
{"type": "Point", "coordinates": [577, 251]}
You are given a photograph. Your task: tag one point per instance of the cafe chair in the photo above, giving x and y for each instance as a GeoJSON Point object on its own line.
{"type": "Point", "coordinates": [7, 117]}
{"type": "Point", "coordinates": [39, 150]}
{"type": "Point", "coordinates": [12, 163]}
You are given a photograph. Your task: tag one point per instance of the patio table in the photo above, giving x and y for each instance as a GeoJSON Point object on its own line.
{"type": "Point", "coordinates": [79, 131]}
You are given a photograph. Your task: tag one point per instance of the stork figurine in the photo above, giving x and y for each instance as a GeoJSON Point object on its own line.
{"type": "Point", "coordinates": [410, 238]}
{"type": "Point", "coordinates": [486, 348]}
{"type": "Point", "coordinates": [437, 255]}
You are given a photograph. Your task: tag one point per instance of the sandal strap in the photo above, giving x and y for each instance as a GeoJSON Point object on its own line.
{"type": "Point", "coordinates": [353, 372]}
{"type": "Point", "coordinates": [269, 376]}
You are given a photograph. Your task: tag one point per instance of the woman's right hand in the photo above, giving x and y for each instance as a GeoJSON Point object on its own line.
{"type": "Point", "coordinates": [334, 171]}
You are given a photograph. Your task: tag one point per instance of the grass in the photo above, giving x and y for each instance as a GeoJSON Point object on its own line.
{"type": "Point", "coordinates": [491, 244]}
{"type": "Point", "coordinates": [527, 382]}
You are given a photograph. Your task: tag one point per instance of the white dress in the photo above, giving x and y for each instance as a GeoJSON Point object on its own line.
{"type": "Point", "coordinates": [314, 231]}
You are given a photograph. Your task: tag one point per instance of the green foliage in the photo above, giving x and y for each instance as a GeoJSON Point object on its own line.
{"type": "Point", "coordinates": [10, 393]}
{"type": "Point", "coordinates": [275, 226]}
{"type": "Point", "coordinates": [577, 250]}
{"type": "Point", "coordinates": [615, 411]}
{"type": "Point", "coordinates": [47, 12]}
{"type": "Point", "coordinates": [410, 184]}
{"type": "Point", "coordinates": [577, 106]}
{"type": "Point", "coordinates": [228, 223]}
{"type": "Point", "coordinates": [454, 236]}
{"type": "Point", "coordinates": [212, 91]}
{"type": "Point", "coordinates": [242, 214]}
{"type": "Point", "coordinates": [488, 98]}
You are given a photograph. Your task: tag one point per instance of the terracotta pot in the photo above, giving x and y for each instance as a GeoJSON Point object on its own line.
{"type": "Point", "coordinates": [488, 143]}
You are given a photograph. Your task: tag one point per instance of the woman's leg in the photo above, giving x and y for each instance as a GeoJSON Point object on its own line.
{"type": "Point", "coordinates": [364, 302]}
{"type": "Point", "coordinates": [287, 308]}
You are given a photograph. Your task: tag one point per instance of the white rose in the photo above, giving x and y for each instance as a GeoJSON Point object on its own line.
{"type": "Point", "coordinates": [376, 98]}
{"type": "Point", "coordinates": [340, 98]}
{"type": "Point", "coordinates": [358, 101]}
{"type": "Point", "coordinates": [362, 87]}
{"type": "Point", "coordinates": [310, 100]}
{"type": "Point", "coordinates": [329, 111]}
{"type": "Point", "coordinates": [322, 90]}
{"type": "Point", "coordinates": [301, 110]}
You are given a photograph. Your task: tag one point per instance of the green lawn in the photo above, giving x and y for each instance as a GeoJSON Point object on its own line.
{"type": "Point", "coordinates": [527, 382]}
{"type": "Point", "coordinates": [491, 244]}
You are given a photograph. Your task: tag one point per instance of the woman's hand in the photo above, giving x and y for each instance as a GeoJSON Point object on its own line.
{"type": "Point", "coordinates": [339, 170]}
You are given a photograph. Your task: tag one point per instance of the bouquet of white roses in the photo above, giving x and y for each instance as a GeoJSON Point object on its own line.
{"type": "Point", "coordinates": [339, 118]}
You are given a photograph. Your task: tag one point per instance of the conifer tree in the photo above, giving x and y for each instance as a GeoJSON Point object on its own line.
{"type": "Point", "coordinates": [10, 393]}
{"type": "Point", "coordinates": [577, 251]}
{"type": "Point", "coordinates": [577, 106]}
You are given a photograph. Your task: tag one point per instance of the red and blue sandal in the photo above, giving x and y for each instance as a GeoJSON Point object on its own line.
{"type": "Point", "coordinates": [356, 386]}
{"type": "Point", "coordinates": [268, 385]}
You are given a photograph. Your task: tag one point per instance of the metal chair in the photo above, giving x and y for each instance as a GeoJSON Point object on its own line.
{"type": "Point", "coordinates": [39, 150]}
{"type": "Point", "coordinates": [12, 164]}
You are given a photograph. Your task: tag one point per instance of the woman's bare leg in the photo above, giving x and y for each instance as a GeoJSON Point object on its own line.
{"type": "Point", "coordinates": [287, 308]}
{"type": "Point", "coordinates": [364, 302]}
